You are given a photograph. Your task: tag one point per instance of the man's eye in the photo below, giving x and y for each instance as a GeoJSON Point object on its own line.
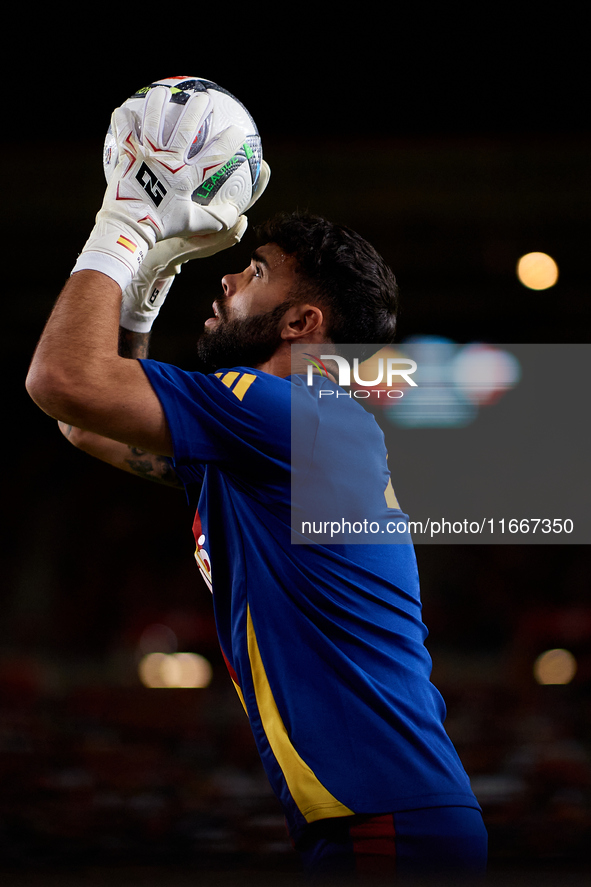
{"type": "Point", "coordinates": [257, 271]}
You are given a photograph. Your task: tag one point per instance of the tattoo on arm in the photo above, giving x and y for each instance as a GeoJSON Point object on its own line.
{"type": "Point", "coordinates": [128, 458]}
{"type": "Point", "coordinates": [155, 468]}
{"type": "Point", "coordinates": [133, 345]}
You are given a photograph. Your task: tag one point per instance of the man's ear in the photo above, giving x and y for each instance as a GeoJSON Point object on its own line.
{"type": "Point", "coordinates": [302, 321]}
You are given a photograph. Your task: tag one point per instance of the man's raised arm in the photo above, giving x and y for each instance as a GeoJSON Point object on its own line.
{"type": "Point", "coordinates": [139, 239]}
{"type": "Point", "coordinates": [78, 377]}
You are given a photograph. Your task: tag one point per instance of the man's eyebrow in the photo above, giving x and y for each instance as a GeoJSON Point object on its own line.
{"type": "Point", "coordinates": [258, 257]}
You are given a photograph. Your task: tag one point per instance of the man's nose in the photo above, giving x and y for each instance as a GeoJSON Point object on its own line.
{"type": "Point", "coordinates": [229, 282]}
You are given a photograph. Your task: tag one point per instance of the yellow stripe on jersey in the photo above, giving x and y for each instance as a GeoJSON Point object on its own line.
{"type": "Point", "coordinates": [391, 500]}
{"type": "Point", "coordinates": [240, 695]}
{"type": "Point", "coordinates": [229, 379]}
{"type": "Point", "coordinates": [243, 384]}
{"type": "Point", "coordinates": [313, 800]}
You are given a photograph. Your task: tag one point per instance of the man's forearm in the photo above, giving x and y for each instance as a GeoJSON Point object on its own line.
{"type": "Point", "coordinates": [130, 459]}
{"type": "Point", "coordinates": [133, 345]}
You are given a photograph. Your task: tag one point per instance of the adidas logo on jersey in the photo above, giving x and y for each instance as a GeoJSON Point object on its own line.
{"type": "Point", "coordinates": [238, 383]}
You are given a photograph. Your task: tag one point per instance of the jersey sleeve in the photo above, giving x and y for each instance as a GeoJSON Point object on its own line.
{"type": "Point", "coordinates": [237, 418]}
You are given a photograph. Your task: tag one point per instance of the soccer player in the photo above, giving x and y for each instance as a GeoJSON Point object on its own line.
{"type": "Point", "coordinates": [323, 642]}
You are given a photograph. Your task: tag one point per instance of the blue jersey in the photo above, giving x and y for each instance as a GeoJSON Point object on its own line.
{"type": "Point", "coordinates": [324, 642]}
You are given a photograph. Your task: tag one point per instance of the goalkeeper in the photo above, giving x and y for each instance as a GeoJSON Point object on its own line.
{"type": "Point", "coordinates": [324, 643]}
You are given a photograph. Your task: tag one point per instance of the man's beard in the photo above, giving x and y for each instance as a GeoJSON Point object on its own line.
{"type": "Point", "coordinates": [248, 341]}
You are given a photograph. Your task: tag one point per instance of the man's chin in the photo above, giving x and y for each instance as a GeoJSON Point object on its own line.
{"type": "Point", "coordinates": [216, 350]}
{"type": "Point", "coordinates": [248, 342]}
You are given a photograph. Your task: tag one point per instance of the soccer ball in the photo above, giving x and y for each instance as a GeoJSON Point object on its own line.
{"type": "Point", "coordinates": [234, 181]}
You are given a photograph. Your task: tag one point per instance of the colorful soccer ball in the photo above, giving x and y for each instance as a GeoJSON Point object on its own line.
{"type": "Point", "coordinates": [233, 181]}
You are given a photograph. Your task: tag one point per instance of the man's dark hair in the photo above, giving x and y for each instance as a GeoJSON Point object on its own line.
{"type": "Point", "coordinates": [343, 271]}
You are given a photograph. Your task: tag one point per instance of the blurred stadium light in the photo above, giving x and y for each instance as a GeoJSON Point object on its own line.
{"type": "Point", "coordinates": [555, 667]}
{"type": "Point", "coordinates": [175, 670]}
{"type": "Point", "coordinates": [453, 382]}
{"type": "Point", "coordinates": [537, 271]}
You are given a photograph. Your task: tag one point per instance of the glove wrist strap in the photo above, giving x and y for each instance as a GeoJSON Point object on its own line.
{"type": "Point", "coordinates": [107, 264]}
{"type": "Point", "coordinates": [113, 249]}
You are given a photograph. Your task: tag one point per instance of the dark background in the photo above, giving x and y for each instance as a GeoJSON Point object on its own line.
{"type": "Point", "coordinates": [455, 142]}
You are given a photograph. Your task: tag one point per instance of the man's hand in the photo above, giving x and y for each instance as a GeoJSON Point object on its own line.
{"type": "Point", "coordinates": [148, 198]}
{"type": "Point", "coordinates": [146, 293]}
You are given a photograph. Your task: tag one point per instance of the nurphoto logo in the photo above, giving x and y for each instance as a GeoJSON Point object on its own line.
{"type": "Point", "coordinates": [387, 372]}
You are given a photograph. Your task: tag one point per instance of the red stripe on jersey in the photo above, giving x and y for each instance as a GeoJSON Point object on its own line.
{"type": "Point", "coordinates": [233, 674]}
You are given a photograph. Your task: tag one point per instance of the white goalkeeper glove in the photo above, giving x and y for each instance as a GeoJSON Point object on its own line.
{"type": "Point", "coordinates": [146, 293]}
{"type": "Point", "coordinates": [148, 197]}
